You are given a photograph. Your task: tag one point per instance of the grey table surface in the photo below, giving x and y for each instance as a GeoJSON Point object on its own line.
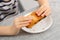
{"type": "Point", "coordinates": [52, 33]}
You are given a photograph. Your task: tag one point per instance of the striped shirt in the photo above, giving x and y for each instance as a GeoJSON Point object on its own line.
{"type": "Point", "coordinates": [8, 8]}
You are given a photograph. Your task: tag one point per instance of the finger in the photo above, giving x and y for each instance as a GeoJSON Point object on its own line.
{"type": "Point", "coordinates": [46, 13]}
{"type": "Point", "coordinates": [17, 22]}
{"type": "Point", "coordinates": [23, 25]}
{"type": "Point", "coordinates": [28, 18]}
{"type": "Point", "coordinates": [20, 23]}
{"type": "Point", "coordinates": [25, 22]}
{"type": "Point", "coordinates": [22, 19]}
{"type": "Point", "coordinates": [18, 18]}
{"type": "Point", "coordinates": [41, 10]}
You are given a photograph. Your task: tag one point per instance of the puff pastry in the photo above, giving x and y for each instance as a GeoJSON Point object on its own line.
{"type": "Point", "coordinates": [35, 19]}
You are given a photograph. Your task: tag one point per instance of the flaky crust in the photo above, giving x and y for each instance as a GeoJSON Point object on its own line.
{"type": "Point", "coordinates": [35, 19]}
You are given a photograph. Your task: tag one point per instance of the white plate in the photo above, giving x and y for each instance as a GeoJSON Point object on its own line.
{"type": "Point", "coordinates": [41, 26]}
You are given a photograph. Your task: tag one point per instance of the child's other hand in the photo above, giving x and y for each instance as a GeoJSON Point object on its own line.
{"type": "Point", "coordinates": [22, 21]}
{"type": "Point", "coordinates": [44, 10]}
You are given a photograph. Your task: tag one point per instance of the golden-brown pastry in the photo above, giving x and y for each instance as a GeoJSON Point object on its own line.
{"type": "Point", "coordinates": [35, 19]}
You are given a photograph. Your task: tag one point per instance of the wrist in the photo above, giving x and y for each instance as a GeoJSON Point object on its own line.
{"type": "Point", "coordinates": [44, 3]}
{"type": "Point", "coordinates": [15, 30]}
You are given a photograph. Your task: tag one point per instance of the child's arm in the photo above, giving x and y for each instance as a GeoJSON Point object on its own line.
{"type": "Point", "coordinates": [17, 24]}
{"type": "Point", "coordinates": [44, 9]}
{"type": "Point", "coordinates": [8, 30]}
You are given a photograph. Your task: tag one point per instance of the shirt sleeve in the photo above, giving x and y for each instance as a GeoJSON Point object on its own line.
{"type": "Point", "coordinates": [1, 0]}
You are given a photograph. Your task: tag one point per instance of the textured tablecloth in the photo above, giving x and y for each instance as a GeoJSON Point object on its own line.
{"type": "Point", "coordinates": [52, 33]}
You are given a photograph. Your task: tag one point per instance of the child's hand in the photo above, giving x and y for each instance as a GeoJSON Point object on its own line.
{"type": "Point", "coordinates": [44, 10]}
{"type": "Point", "coordinates": [22, 21]}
